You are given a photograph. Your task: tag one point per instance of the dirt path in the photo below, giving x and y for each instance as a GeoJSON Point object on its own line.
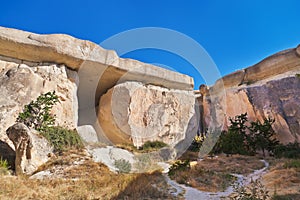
{"type": "Point", "coordinates": [194, 194]}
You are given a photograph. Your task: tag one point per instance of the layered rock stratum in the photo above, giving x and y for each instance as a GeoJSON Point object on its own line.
{"type": "Point", "coordinates": [269, 89]}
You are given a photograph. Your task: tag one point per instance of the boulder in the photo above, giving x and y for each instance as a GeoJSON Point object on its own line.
{"type": "Point", "coordinates": [109, 155]}
{"type": "Point", "coordinates": [31, 150]}
{"type": "Point", "coordinates": [87, 134]}
{"type": "Point", "coordinates": [132, 112]}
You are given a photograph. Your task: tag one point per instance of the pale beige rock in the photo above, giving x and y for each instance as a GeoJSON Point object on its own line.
{"type": "Point", "coordinates": [133, 112]}
{"type": "Point", "coordinates": [87, 56]}
{"type": "Point", "coordinates": [31, 149]}
{"type": "Point", "coordinates": [20, 84]}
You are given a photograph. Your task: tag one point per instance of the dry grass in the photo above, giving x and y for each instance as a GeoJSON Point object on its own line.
{"type": "Point", "coordinates": [76, 176]}
{"type": "Point", "coordinates": [214, 174]}
{"type": "Point", "coordinates": [282, 179]}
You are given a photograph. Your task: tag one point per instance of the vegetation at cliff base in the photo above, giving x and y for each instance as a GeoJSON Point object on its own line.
{"type": "Point", "coordinates": [247, 139]}
{"type": "Point", "coordinates": [147, 147]}
{"type": "Point", "coordinates": [153, 145]}
{"type": "Point", "coordinates": [62, 139]}
{"type": "Point", "coordinates": [37, 115]}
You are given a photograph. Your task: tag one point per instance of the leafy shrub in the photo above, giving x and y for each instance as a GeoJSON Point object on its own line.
{"type": "Point", "coordinates": [37, 113]}
{"type": "Point", "coordinates": [255, 191]}
{"type": "Point", "coordinates": [291, 150]}
{"type": "Point", "coordinates": [61, 138]}
{"type": "Point", "coordinates": [123, 165]}
{"type": "Point", "coordinates": [298, 75]}
{"type": "Point", "coordinates": [153, 145]}
{"type": "Point", "coordinates": [261, 136]}
{"type": "Point", "coordinates": [3, 166]}
{"type": "Point", "coordinates": [234, 141]}
{"type": "Point", "coordinates": [246, 140]}
{"type": "Point", "coordinates": [179, 166]}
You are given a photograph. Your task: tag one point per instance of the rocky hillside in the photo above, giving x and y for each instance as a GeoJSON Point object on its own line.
{"type": "Point", "coordinates": [270, 88]}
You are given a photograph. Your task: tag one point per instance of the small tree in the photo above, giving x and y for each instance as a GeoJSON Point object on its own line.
{"type": "Point", "coordinates": [246, 140]}
{"type": "Point", "coordinates": [263, 135]}
{"type": "Point", "coordinates": [37, 114]}
{"type": "Point", "coordinates": [234, 141]}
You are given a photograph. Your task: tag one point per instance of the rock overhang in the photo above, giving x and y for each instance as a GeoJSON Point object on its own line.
{"type": "Point", "coordinates": [80, 54]}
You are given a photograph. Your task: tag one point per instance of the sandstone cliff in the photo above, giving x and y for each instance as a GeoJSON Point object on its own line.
{"type": "Point", "coordinates": [270, 88]}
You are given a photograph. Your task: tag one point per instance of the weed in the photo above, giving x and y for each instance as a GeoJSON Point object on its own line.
{"type": "Point", "coordinates": [3, 166]}
{"type": "Point", "coordinates": [123, 165]}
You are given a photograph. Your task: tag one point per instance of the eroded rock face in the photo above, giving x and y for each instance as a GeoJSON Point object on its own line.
{"type": "Point", "coordinates": [31, 150]}
{"type": "Point", "coordinates": [133, 112]}
{"type": "Point", "coordinates": [269, 89]}
{"type": "Point", "coordinates": [21, 83]}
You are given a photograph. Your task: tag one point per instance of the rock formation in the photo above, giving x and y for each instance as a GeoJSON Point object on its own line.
{"type": "Point", "coordinates": [22, 83]}
{"type": "Point", "coordinates": [137, 100]}
{"type": "Point", "coordinates": [31, 149]}
{"type": "Point", "coordinates": [270, 88]}
{"type": "Point", "coordinates": [135, 112]}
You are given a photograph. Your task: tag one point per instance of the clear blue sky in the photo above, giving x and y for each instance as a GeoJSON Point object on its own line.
{"type": "Point", "coordinates": [235, 33]}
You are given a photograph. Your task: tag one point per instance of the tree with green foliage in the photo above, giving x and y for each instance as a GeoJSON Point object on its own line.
{"type": "Point", "coordinates": [246, 140]}
{"type": "Point", "coordinates": [37, 113]}
{"type": "Point", "coordinates": [263, 136]}
{"type": "Point", "coordinates": [234, 141]}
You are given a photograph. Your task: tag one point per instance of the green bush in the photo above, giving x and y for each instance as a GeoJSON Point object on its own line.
{"type": "Point", "coordinates": [3, 166]}
{"type": "Point", "coordinates": [37, 113]}
{"type": "Point", "coordinates": [123, 165]}
{"type": "Point", "coordinates": [61, 138]}
{"type": "Point", "coordinates": [246, 140]}
{"type": "Point", "coordinates": [179, 165]}
{"type": "Point", "coordinates": [292, 164]}
{"type": "Point", "coordinates": [298, 75]}
{"type": "Point", "coordinates": [234, 141]}
{"type": "Point", "coordinates": [291, 150]}
{"type": "Point", "coordinates": [153, 145]}
{"type": "Point", "coordinates": [261, 136]}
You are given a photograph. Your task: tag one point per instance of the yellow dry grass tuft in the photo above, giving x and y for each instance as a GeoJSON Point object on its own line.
{"type": "Point", "coordinates": [281, 179]}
